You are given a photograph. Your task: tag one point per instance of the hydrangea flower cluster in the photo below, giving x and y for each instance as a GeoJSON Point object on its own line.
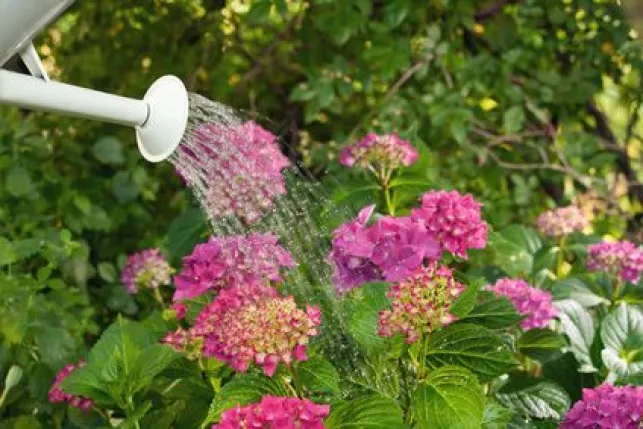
{"type": "Point", "coordinates": [562, 221]}
{"type": "Point", "coordinates": [274, 412]}
{"type": "Point", "coordinates": [57, 395]}
{"type": "Point", "coordinates": [390, 249]}
{"type": "Point", "coordinates": [236, 169]}
{"type": "Point", "coordinates": [146, 269]}
{"type": "Point", "coordinates": [374, 151]}
{"type": "Point", "coordinates": [453, 220]}
{"type": "Point", "coordinates": [225, 262]}
{"type": "Point", "coordinates": [534, 304]}
{"type": "Point", "coordinates": [622, 258]}
{"type": "Point", "coordinates": [420, 304]}
{"type": "Point", "coordinates": [607, 407]}
{"type": "Point", "coordinates": [249, 324]}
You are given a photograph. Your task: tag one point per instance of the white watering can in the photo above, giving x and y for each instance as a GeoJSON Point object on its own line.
{"type": "Point", "coordinates": [159, 119]}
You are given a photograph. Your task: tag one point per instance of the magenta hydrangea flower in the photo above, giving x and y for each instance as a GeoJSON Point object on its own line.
{"type": "Point", "coordinates": [57, 395]}
{"type": "Point", "coordinates": [274, 412]}
{"type": "Point", "coordinates": [420, 304]}
{"type": "Point", "coordinates": [607, 407]}
{"type": "Point", "coordinates": [390, 249]}
{"type": "Point", "coordinates": [562, 221]}
{"type": "Point", "coordinates": [253, 324]}
{"type": "Point", "coordinates": [622, 258]}
{"type": "Point", "coordinates": [453, 220]}
{"type": "Point", "coordinates": [235, 170]}
{"type": "Point", "coordinates": [534, 304]}
{"type": "Point", "coordinates": [225, 262]}
{"type": "Point", "coordinates": [374, 151]}
{"type": "Point", "coordinates": [146, 269]}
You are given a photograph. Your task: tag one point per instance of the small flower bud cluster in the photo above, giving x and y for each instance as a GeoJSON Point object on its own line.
{"type": "Point", "coordinates": [146, 269]}
{"type": "Point", "coordinates": [562, 221]}
{"type": "Point", "coordinates": [274, 412]}
{"type": "Point", "coordinates": [622, 258]}
{"type": "Point", "coordinates": [420, 304]}
{"type": "Point", "coordinates": [534, 304]}
{"type": "Point", "coordinates": [374, 151]}
{"type": "Point", "coordinates": [57, 395]}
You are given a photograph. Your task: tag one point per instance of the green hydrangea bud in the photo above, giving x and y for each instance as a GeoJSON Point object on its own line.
{"type": "Point", "coordinates": [13, 377]}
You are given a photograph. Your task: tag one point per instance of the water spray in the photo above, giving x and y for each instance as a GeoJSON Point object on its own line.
{"type": "Point", "coordinates": [159, 119]}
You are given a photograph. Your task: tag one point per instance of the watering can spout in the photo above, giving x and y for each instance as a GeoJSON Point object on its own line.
{"type": "Point", "coordinates": [160, 118]}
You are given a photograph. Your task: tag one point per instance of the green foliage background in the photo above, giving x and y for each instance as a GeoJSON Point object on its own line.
{"type": "Point", "coordinates": [525, 104]}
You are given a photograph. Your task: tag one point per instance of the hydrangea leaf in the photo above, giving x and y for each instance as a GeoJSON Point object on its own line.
{"type": "Point", "coordinates": [533, 398]}
{"type": "Point", "coordinates": [450, 397]}
{"type": "Point", "coordinates": [578, 324]}
{"type": "Point", "coordinates": [622, 335]}
{"type": "Point", "coordinates": [541, 344]}
{"type": "Point", "coordinates": [366, 412]}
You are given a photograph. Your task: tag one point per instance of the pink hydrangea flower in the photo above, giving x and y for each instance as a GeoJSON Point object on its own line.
{"type": "Point", "coordinates": [622, 258]}
{"type": "Point", "coordinates": [274, 412]}
{"type": "Point", "coordinates": [146, 269]}
{"type": "Point", "coordinates": [390, 249]}
{"type": "Point", "coordinates": [254, 324]}
{"type": "Point", "coordinates": [57, 395]}
{"type": "Point", "coordinates": [225, 262]}
{"type": "Point", "coordinates": [420, 304]}
{"type": "Point", "coordinates": [562, 221]}
{"type": "Point", "coordinates": [374, 151]}
{"type": "Point", "coordinates": [235, 170]}
{"type": "Point", "coordinates": [534, 304]}
{"type": "Point", "coordinates": [453, 220]}
{"type": "Point", "coordinates": [607, 407]}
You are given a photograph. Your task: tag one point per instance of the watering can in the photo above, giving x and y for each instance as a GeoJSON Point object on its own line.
{"type": "Point", "coordinates": [160, 118]}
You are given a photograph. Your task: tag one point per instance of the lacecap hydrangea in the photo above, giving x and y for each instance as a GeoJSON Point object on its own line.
{"type": "Point", "coordinates": [147, 269]}
{"type": "Point", "coordinates": [562, 221]}
{"type": "Point", "coordinates": [623, 258]}
{"type": "Point", "coordinates": [375, 152]}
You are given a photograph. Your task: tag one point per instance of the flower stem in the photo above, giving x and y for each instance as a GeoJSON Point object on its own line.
{"type": "Point", "coordinates": [159, 297]}
{"type": "Point", "coordinates": [618, 284]}
{"type": "Point", "coordinates": [561, 257]}
{"type": "Point", "coordinates": [389, 204]}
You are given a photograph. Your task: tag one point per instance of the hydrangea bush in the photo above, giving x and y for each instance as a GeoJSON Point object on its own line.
{"type": "Point", "coordinates": [415, 315]}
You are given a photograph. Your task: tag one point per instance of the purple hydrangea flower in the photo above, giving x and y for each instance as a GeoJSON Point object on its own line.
{"type": "Point", "coordinates": [562, 221]}
{"type": "Point", "coordinates": [391, 249]}
{"type": "Point", "coordinates": [57, 395]}
{"type": "Point", "coordinates": [622, 258]}
{"type": "Point", "coordinates": [225, 262]}
{"type": "Point", "coordinates": [146, 269]}
{"type": "Point", "coordinates": [607, 407]}
{"type": "Point", "coordinates": [374, 151]}
{"type": "Point", "coordinates": [453, 220]}
{"type": "Point", "coordinates": [534, 304]}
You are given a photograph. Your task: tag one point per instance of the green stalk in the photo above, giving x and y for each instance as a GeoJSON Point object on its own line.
{"type": "Point", "coordinates": [561, 257]}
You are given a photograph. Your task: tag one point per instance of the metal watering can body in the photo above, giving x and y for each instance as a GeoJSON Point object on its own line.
{"type": "Point", "coordinates": [160, 118]}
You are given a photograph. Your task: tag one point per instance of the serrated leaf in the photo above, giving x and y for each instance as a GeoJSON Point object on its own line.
{"type": "Point", "coordinates": [466, 301]}
{"type": "Point", "coordinates": [185, 232]}
{"type": "Point", "coordinates": [318, 375]}
{"type": "Point", "coordinates": [56, 346]}
{"type": "Point", "coordinates": [578, 324]}
{"type": "Point", "coordinates": [368, 412]}
{"type": "Point", "coordinates": [498, 313]}
{"type": "Point", "coordinates": [149, 363]}
{"type": "Point", "coordinates": [473, 347]}
{"type": "Point", "coordinates": [243, 390]}
{"type": "Point", "coordinates": [18, 181]}
{"type": "Point", "coordinates": [496, 416]}
{"type": "Point", "coordinates": [7, 253]}
{"type": "Point", "coordinates": [534, 398]}
{"type": "Point", "coordinates": [450, 397]}
{"type": "Point", "coordinates": [622, 335]}
{"type": "Point", "coordinates": [541, 344]}
{"type": "Point", "coordinates": [109, 150]}
{"type": "Point", "coordinates": [580, 291]}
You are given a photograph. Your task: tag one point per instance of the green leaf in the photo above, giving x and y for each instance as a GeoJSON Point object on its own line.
{"type": "Point", "coordinates": [107, 272]}
{"type": "Point", "coordinates": [578, 324]}
{"type": "Point", "coordinates": [465, 302]}
{"type": "Point", "coordinates": [366, 412]}
{"type": "Point", "coordinates": [586, 294]}
{"type": "Point", "coordinates": [86, 381]}
{"type": "Point", "coordinates": [7, 253]}
{"type": "Point", "coordinates": [473, 347]}
{"type": "Point", "coordinates": [534, 398]}
{"type": "Point", "coordinates": [185, 232]}
{"type": "Point", "coordinates": [124, 340]}
{"type": "Point", "coordinates": [243, 390]}
{"type": "Point", "coordinates": [622, 335]}
{"type": "Point", "coordinates": [541, 344]}
{"type": "Point", "coordinates": [450, 397]}
{"type": "Point", "coordinates": [56, 347]}
{"type": "Point", "coordinates": [318, 375]}
{"type": "Point", "coordinates": [109, 150]}
{"type": "Point", "coordinates": [498, 313]}
{"type": "Point", "coordinates": [19, 182]}
{"type": "Point", "coordinates": [514, 249]}
{"type": "Point", "coordinates": [513, 119]}
{"type": "Point", "coordinates": [496, 416]}
{"type": "Point", "coordinates": [151, 362]}
{"type": "Point", "coordinates": [363, 308]}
